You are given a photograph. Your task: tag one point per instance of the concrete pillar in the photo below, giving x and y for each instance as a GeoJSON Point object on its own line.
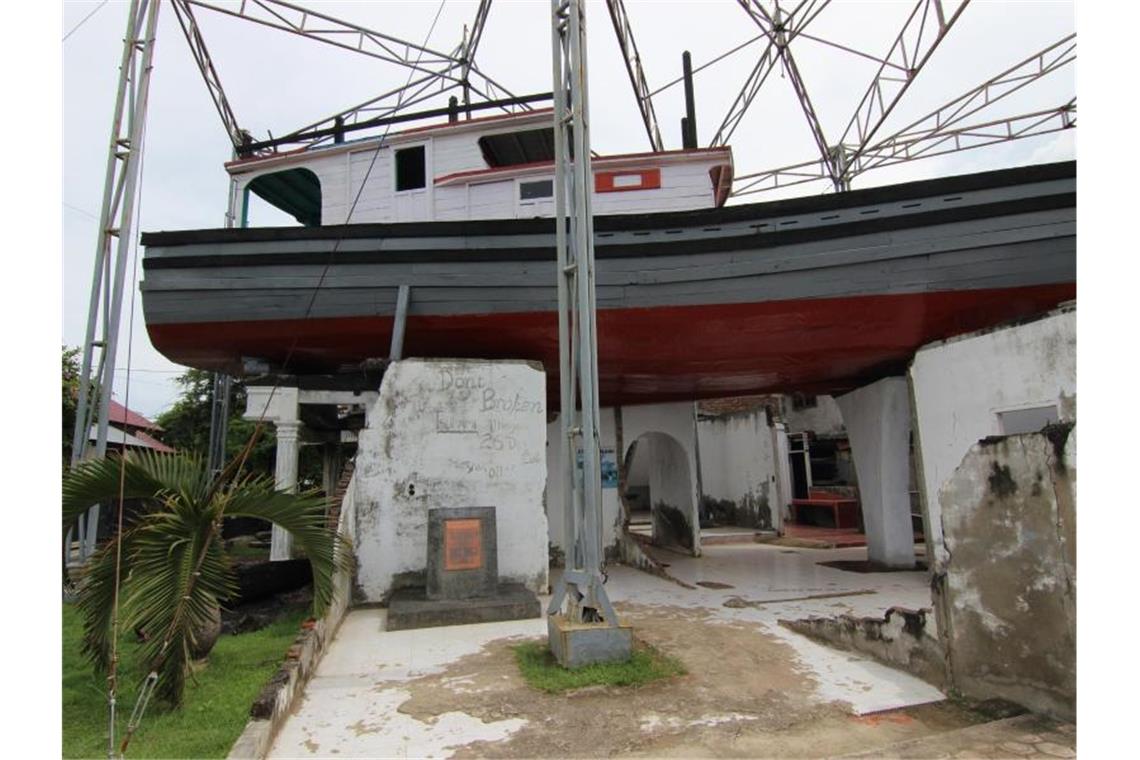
{"type": "Point", "coordinates": [285, 478]}
{"type": "Point", "coordinates": [783, 467]}
{"type": "Point", "coordinates": [877, 417]}
{"type": "Point", "coordinates": [281, 406]}
{"type": "Point", "coordinates": [330, 467]}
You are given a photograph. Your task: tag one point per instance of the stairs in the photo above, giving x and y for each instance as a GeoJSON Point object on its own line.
{"type": "Point", "coordinates": [337, 498]}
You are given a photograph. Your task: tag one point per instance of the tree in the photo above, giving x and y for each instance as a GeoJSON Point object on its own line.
{"type": "Point", "coordinates": [170, 558]}
{"type": "Point", "coordinates": [71, 382]}
{"type": "Point", "coordinates": [186, 427]}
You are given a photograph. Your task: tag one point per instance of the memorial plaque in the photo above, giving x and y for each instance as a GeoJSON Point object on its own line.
{"type": "Point", "coordinates": [462, 544]}
{"type": "Point", "coordinates": [462, 561]}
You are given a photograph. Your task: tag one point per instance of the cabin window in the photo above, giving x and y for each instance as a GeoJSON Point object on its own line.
{"type": "Point", "coordinates": [529, 191]}
{"type": "Point", "coordinates": [411, 168]}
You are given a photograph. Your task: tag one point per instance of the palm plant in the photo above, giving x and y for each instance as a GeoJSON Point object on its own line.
{"type": "Point", "coordinates": [172, 565]}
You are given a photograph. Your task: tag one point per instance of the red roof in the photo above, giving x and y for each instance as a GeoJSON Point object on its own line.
{"type": "Point", "coordinates": [124, 416]}
{"type": "Point", "coordinates": [154, 443]}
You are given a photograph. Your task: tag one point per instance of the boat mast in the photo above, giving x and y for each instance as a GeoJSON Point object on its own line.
{"type": "Point", "coordinates": [581, 584]}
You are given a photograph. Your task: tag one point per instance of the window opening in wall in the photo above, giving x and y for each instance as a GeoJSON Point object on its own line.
{"type": "Point", "coordinates": [1029, 420]}
{"type": "Point", "coordinates": [529, 191]}
{"type": "Point", "coordinates": [411, 168]}
{"type": "Point", "coordinates": [801, 401]}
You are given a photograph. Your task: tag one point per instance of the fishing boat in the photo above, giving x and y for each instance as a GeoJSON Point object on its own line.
{"type": "Point", "coordinates": [695, 298]}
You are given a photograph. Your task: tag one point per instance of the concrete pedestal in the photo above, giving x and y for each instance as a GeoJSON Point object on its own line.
{"type": "Point", "coordinates": [578, 644]}
{"type": "Point", "coordinates": [411, 608]}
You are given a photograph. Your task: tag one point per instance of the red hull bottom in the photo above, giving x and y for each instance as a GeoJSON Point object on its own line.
{"type": "Point", "coordinates": [826, 345]}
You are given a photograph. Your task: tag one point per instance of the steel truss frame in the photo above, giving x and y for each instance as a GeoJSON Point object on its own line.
{"type": "Point", "coordinates": [581, 586]}
{"type": "Point", "coordinates": [440, 72]}
{"type": "Point", "coordinates": [924, 29]}
{"type": "Point", "coordinates": [112, 250]}
{"type": "Point", "coordinates": [624, 31]}
{"type": "Point", "coordinates": [941, 131]}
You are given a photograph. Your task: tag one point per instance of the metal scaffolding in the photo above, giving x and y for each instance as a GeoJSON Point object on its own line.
{"type": "Point", "coordinates": [112, 248]}
{"type": "Point", "coordinates": [581, 586]}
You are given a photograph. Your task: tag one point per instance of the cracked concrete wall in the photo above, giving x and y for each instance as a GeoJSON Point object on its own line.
{"type": "Point", "coordinates": [1007, 592]}
{"type": "Point", "coordinates": [451, 433]}
{"type": "Point", "coordinates": [959, 387]}
{"type": "Point", "coordinates": [899, 639]}
{"type": "Point", "coordinates": [738, 469]}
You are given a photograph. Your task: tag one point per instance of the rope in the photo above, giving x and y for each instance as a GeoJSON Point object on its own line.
{"type": "Point", "coordinates": [84, 21]}
{"type": "Point", "coordinates": [112, 676]}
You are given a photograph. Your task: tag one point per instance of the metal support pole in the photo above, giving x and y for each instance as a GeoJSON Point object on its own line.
{"type": "Point", "coordinates": [689, 135]}
{"type": "Point", "coordinates": [582, 584]}
{"type": "Point", "coordinates": [116, 220]}
{"type": "Point", "coordinates": [219, 423]}
{"type": "Point", "coordinates": [396, 352]}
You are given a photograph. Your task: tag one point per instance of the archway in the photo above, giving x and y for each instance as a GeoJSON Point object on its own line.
{"type": "Point", "coordinates": [659, 486]}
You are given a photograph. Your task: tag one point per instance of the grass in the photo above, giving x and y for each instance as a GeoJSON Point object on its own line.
{"type": "Point", "coordinates": [541, 671]}
{"type": "Point", "coordinates": [245, 551]}
{"type": "Point", "coordinates": [215, 708]}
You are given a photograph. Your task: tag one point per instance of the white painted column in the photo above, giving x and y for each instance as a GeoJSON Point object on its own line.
{"type": "Point", "coordinates": [783, 467]}
{"type": "Point", "coordinates": [877, 417]}
{"type": "Point", "coordinates": [281, 406]}
{"type": "Point", "coordinates": [285, 478]}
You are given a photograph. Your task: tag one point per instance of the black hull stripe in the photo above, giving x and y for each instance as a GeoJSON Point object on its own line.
{"type": "Point", "coordinates": [614, 251]}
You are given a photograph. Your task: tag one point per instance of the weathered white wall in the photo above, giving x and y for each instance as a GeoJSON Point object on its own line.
{"type": "Point", "coordinates": [877, 418]}
{"type": "Point", "coordinates": [960, 386]}
{"type": "Point", "coordinates": [738, 464]}
{"type": "Point", "coordinates": [451, 433]}
{"type": "Point", "coordinates": [675, 420]}
{"type": "Point", "coordinates": [822, 419]}
{"type": "Point", "coordinates": [611, 507]}
{"type": "Point", "coordinates": [1007, 596]}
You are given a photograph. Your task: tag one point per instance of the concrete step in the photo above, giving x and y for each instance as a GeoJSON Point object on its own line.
{"type": "Point", "coordinates": [741, 537]}
{"type": "Point", "coordinates": [1029, 736]}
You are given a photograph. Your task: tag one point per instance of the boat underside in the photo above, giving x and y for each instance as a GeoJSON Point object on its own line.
{"type": "Point", "coordinates": [826, 345]}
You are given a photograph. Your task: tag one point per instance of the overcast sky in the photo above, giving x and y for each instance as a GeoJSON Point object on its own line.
{"type": "Point", "coordinates": [276, 81]}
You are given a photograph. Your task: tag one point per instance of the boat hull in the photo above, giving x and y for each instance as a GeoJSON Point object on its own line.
{"type": "Point", "coordinates": [817, 296]}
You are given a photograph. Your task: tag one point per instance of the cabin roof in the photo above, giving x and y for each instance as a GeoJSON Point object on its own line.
{"type": "Point", "coordinates": [538, 115]}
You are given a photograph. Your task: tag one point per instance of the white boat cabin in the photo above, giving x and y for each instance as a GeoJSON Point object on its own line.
{"type": "Point", "coordinates": [499, 167]}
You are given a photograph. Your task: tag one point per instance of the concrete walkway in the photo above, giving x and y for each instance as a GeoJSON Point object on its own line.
{"type": "Point", "coordinates": [352, 706]}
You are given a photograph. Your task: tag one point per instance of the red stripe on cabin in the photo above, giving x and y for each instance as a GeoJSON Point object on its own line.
{"type": "Point", "coordinates": [616, 182]}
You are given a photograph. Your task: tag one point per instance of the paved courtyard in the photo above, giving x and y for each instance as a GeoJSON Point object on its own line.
{"type": "Point", "coordinates": [753, 687]}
